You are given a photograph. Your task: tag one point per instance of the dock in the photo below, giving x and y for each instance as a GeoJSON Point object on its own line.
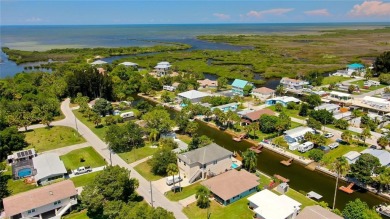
{"type": "Point", "coordinates": [281, 178]}
{"type": "Point", "coordinates": [347, 189]}
{"type": "Point", "coordinates": [314, 195]}
{"type": "Point", "coordinates": [287, 162]}
{"type": "Point", "coordinates": [256, 149]}
{"type": "Point", "coordinates": [239, 138]}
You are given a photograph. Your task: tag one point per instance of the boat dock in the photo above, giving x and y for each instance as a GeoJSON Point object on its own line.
{"type": "Point", "coordinates": [314, 195]}
{"type": "Point", "coordinates": [287, 162]}
{"type": "Point", "coordinates": [256, 149]}
{"type": "Point", "coordinates": [347, 189]}
{"type": "Point", "coordinates": [281, 178]}
{"type": "Point", "coordinates": [239, 138]}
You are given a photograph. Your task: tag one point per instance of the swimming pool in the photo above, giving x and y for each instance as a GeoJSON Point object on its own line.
{"type": "Point", "coordinates": [24, 172]}
{"type": "Point", "coordinates": [234, 165]}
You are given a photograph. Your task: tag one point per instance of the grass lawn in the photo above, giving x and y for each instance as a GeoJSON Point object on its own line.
{"type": "Point", "coordinates": [138, 153]}
{"type": "Point", "coordinates": [334, 79]}
{"type": "Point", "coordinates": [305, 201]}
{"type": "Point", "coordinates": [237, 209]}
{"type": "Point", "coordinates": [77, 215]}
{"type": "Point", "coordinates": [289, 112]}
{"type": "Point", "coordinates": [91, 158]}
{"type": "Point", "coordinates": [84, 179]}
{"type": "Point", "coordinates": [185, 138]}
{"type": "Point", "coordinates": [338, 152]}
{"type": "Point", "coordinates": [100, 132]}
{"type": "Point", "coordinates": [264, 181]}
{"type": "Point", "coordinates": [185, 192]}
{"type": "Point", "coordinates": [18, 186]}
{"type": "Point", "coordinates": [44, 139]}
{"type": "Point", "coordinates": [372, 88]}
{"type": "Point", "coordinates": [146, 171]}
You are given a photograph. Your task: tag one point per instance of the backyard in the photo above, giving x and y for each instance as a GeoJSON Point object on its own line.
{"type": "Point", "coordinates": [290, 112]}
{"type": "Point", "coordinates": [84, 179]}
{"type": "Point", "coordinates": [146, 171]}
{"type": "Point", "coordinates": [82, 157]}
{"type": "Point", "coordinates": [138, 153]}
{"type": "Point", "coordinates": [331, 156]}
{"type": "Point", "coordinates": [77, 215]}
{"type": "Point", "coordinates": [44, 139]}
{"type": "Point", "coordinates": [335, 80]}
{"type": "Point", "coordinates": [372, 88]}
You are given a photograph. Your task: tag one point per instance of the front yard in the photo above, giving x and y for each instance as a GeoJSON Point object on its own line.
{"type": "Point", "coordinates": [82, 157]}
{"type": "Point", "coordinates": [44, 139]}
{"type": "Point", "coordinates": [334, 80]}
{"type": "Point", "coordinates": [84, 179]}
{"type": "Point", "coordinates": [372, 88]}
{"type": "Point", "coordinates": [185, 192]}
{"type": "Point", "coordinates": [146, 171]}
{"type": "Point", "coordinates": [138, 153]}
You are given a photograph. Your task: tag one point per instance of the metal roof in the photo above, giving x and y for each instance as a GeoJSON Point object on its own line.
{"type": "Point", "coordinates": [193, 94]}
{"type": "Point", "coordinates": [382, 155]}
{"type": "Point", "coordinates": [205, 154]}
{"type": "Point", "coordinates": [129, 64]}
{"type": "Point", "coordinates": [98, 62]}
{"type": "Point", "coordinates": [239, 83]}
{"type": "Point", "coordinates": [48, 164]}
{"type": "Point", "coordinates": [355, 66]}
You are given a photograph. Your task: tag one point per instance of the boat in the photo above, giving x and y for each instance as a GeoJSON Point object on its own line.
{"type": "Point", "coordinates": [383, 209]}
{"type": "Point", "coordinates": [313, 195]}
{"type": "Point", "coordinates": [287, 162]}
{"type": "Point", "coordinates": [347, 189]}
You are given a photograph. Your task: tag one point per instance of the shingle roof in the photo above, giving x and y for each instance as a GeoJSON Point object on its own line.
{"type": "Point", "coordinates": [317, 212]}
{"type": "Point", "coordinates": [205, 154]}
{"type": "Point", "coordinates": [256, 114]}
{"type": "Point", "coordinates": [239, 83]}
{"type": "Point", "coordinates": [48, 164]}
{"type": "Point", "coordinates": [38, 197]}
{"type": "Point", "coordinates": [382, 155]}
{"type": "Point", "coordinates": [263, 90]}
{"type": "Point", "coordinates": [231, 183]}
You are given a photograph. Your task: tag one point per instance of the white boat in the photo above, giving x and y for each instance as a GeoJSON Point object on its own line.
{"type": "Point", "coordinates": [383, 209]}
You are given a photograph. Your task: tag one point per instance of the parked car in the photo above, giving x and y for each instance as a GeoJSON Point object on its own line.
{"type": "Point", "coordinates": [82, 170]}
{"type": "Point", "coordinates": [341, 141]}
{"type": "Point", "coordinates": [333, 145]}
{"type": "Point", "coordinates": [170, 179]}
{"type": "Point", "coordinates": [328, 135]}
{"type": "Point", "coordinates": [326, 149]}
{"type": "Point", "coordinates": [376, 147]}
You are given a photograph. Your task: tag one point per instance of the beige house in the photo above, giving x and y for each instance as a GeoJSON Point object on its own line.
{"type": "Point", "coordinates": [207, 161]}
{"type": "Point", "coordinates": [263, 93]}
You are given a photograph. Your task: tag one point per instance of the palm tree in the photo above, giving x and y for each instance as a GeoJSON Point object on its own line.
{"type": "Point", "coordinates": [280, 142]}
{"type": "Point", "coordinates": [207, 112]}
{"type": "Point", "coordinates": [280, 90]}
{"type": "Point", "coordinates": [254, 127]}
{"type": "Point", "coordinates": [153, 135]}
{"type": "Point", "coordinates": [366, 133]}
{"type": "Point", "coordinates": [249, 160]}
{"type": "Point", "coordinates": [202, 196]}
{"type": "Point", "coordinates": [341, 167]}
{"type": "Point", "coordinates": [172, 170]}
{"type": "Point", "coordinates": [346, 136]}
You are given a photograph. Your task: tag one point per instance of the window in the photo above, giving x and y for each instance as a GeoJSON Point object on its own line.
{"type": "Point", "coordinates": [185, 164]}
{"type": "Point", "coordinates": [215, 161]}
{"type": "Point", "coordinates": [179, 160]}
{"type": "Point", "coordinates": [31, 211]}
{"type": "Point", "coordinates": [57, 202]}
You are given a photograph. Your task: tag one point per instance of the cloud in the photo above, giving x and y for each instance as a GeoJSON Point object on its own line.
{"type": "Point", "coordinates": [34, 19]}
{"type": "Point", "coordinates": [221, 16]}
{"type": "Point", "coordinates": [318, 12]}
{"type": "Point", "coordinates": [371, 8]}
{"type": "Point", "coordinates": [275, 11]}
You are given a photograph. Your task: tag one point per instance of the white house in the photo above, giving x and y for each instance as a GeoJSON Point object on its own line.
{"type": "Point", "coordinates": [330, 107]}
{"type": "Point", "coordinates": [48, 167]}
{"type": "Point", "coordinates": [376, 102]}
{"type": "Point", "coordinates": [293, 83]}
{"type": "Point", "coordinates": [382, 155]}
{"type": "Point", "coordinates": [50, 201]}
{"type": "Point", "coordinates": [316, 211]}
{"type": "Point", "coordinates": [283, 100]}
{"type": "Point", "coordinates": [210, 160]}
{"type": "Point", "coordinates": [99, 62]}
{"type": "Point", "coordinates": [293, 136]}
{"type": "Point", "coordinates": [129, 64]}
{"type": "Point", "coordinates": [352, 156]}
{"type": "Point", "coordinates": [162, 68]}
{"type": "Point", "coordinates": [268, 205]}
{"type": "Point", "coordinates": [263, 93]}
{"type": "Point", "coordinates": [340, 95]}
{"type": "Point", "coordinates": [193, 96]}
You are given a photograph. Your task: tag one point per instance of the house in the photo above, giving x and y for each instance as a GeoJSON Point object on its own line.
{"type": "Point", "coordinates": [238, 86]}
{"type": "Point", "coordinates": [48, 167]}
{"type": "Point", "coordinates": [207, 83]}
{"type": "Point", "coordinates": [355, 67]}
{"type": "Point", "coordinates": [330, 107]}
{"type": "Point", "coordinates": [340, 95]}
{"type": "Point", "coordinates": [268, 205]}
{"type": "Point", "coordinates": [129, 64]}
{"type": "Point", "coordinates": [376, 102]}
{"type": "Point", "coordinates": [232, 185]}
{"type": "Point", "coordinates": [352, 156]}
{"type": "Point", "coordinates": [99, 62]}
{"type": "Point", "coordinates": [382, 155]}
{"type": "Point", "coordinates": [227, 107]}
{"type": "Point", "coordinates": [254, 116]}
{"type": "Point", "coordinates": [316, 211]}
{"type": "Point", "coordinates": [193, 96]}
{"type": "Point", "coordinates": [294, 84]}
{"type": "Point", "coordinates": [162, 68]}
{"type": "Point", "coordinates": [293, 136]}
{"type": "Point", "coordinates": [50, 201]}
{"type": "Point", "coordinates": [283, 100]}
{"type": "Point", "coordinates": [210, 160]}
{"type": "Point", "coordinates": [263, 93]}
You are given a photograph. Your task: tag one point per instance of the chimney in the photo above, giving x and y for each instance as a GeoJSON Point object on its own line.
{"type": "Point", "coordinates": [50, 192]}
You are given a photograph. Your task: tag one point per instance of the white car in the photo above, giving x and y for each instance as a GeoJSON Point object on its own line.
{"type": "Point", "coordinates": [329, 135]}
{"type": "Point", "coordinates": [333, 145]}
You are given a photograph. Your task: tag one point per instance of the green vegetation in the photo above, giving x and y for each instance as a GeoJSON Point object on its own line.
{"type": "Point", "coordinates": [334, 80]}
{"type": "Point", "coordinates": [372, 88]}
{"type": "Point", "coordinates": [145, 170]}
{"type": "Point", "coordinates": [305, 201]}
{"type": "Point", "coordinates": [138, 153]}
{"type": "Point", "coordinates": [237, 209]}
{"type": "Point", "coordinates": [84, 179]}
{"type": "Point", "coordinates": [18, 186]}
{"type": "Point", "coordinates": [290, 112]}
{"type": "Point", "coordinates": [44, 139]}
{"type": "Point", "coordinates": [82, 157]}
{"type": "Point", "coordinates": [184, 193]}
{"type": "Point", "coordinates": [77, 215]}
{"type": "Point", "coordinates": [331, 156]}
{"type": "Point", "coordinates": [100, 131]}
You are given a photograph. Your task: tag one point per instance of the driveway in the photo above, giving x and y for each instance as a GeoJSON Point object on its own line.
{"type": "Point", "coordinates": [96, 169]}
{"type": "Point", "coordinates": [162, 186]}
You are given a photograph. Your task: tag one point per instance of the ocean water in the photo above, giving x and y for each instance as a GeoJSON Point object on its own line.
{"type": "Point", "coordinates": [81, 36]}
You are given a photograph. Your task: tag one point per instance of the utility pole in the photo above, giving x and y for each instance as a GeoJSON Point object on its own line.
{"type": "Point", "coordinates": [110, 156]}
{"type": "Point", "coordinates": [151, 193]}
{"type": "Point", "coordinates": [75, 121]}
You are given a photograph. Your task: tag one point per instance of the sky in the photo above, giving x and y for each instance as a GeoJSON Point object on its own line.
{"type": "Point", "coordinates": [78, 12]}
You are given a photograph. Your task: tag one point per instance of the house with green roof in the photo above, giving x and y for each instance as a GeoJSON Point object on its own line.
{"type": "Point", "coordinates": [238, 86]}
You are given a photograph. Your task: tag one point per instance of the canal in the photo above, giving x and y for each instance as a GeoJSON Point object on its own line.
{"type": "Point", "coordinates": [301, 179]}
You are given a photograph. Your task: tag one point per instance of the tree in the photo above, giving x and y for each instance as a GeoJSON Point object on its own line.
{"type": "Point", "coordinates": [384, 79]}
{"type": "Point", "coordinates": [341, 167]}
{"type": "Point", "coordinates": [161, 159]}
{"type": "Point", "coordinates": [172, 170]}
{"type": "Point", "coordinates": [323, 116]}
{"type": "Point", "coordinates": [280, 90]}
{"type": "Point", "coordinates": [222, 82]}
{"type": "Point", "coordinates": [346, 136]}
{"type": "Point", "coordinates": [82, 101]}
{"type": "Point", "coordinates": [11, 140]}
{"type": "Point", "coordinates": [247, 89]}
{"type": "Point", "coordinates": [382, 63]}
{"type": "Point", "coordinates": [96, 119]}
{"type": "Point", "coordinates": [102, 107]}
{"type": "Point", "coordinates": [359, 210]}
{"type": "Point", "coordinates": [280, 141]}
{"type": "Point", "coordinates": [314, 124]}
{"type": "Point", "coordinates": [111, 184]}
{"type": "Point", "coordinates": [292, 105]}
{"type": "Point", "coordinates": [4, 192]}
{"type": "Point", "coordinates": [283, 123]}
{"type": "Point", "coordinates": [198, 142]}
{"type": "Point", "coordinates": [351, 88]}
{"type": "Point", "coordinates": [316, 154]}
{"type": "Point", "coordinates": [313, 100]}
{"type": "Point", "coordinates": [383, 141]}
{"type": "Point", "coordinates": [181, 119]}
{"type": "Point", "coordinates": [366, 133]}
{"type": "Point", "coordinates": [278, 107]}
{"type": "Point", "coordinates": [368, 74]}
{"type": "Point", "coordinates": [267, 123]}
{"type": "Point", "coordinates": [364, 167]}
{"type": "Point", "coordinates": [153, 135]}
{"type": "Point", "coordinates": [192, 127]}
{"type": "Point", "coordinates": [165, 97]}
{"type": "Point", "coordinates": [304, 110]}
{"type": "Point", "coordinates": [249, 161]}
{"type": "Point", "coordinates": [158, 119]}
{"type": "Point", "coordinates": [202, 197]}
{"type": "Point", "coordinates": [124, 138]}
{"type": "Point", "coordinates": [356, 113]}
{"type": "Point", "coordinates": [383, 179]}
{"type": "Point", "coordinates": [341, 124]}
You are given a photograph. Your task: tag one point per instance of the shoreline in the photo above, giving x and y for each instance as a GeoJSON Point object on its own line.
{"type": "Point", "coordinates": [304, 162]}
